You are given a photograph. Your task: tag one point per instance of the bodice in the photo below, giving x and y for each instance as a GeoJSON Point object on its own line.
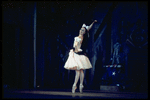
{"type": "Point", "coordinates": [78, 41]}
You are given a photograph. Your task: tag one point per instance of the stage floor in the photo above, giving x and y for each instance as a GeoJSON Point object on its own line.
{"type": "Point", "coordinates": [66, 94]}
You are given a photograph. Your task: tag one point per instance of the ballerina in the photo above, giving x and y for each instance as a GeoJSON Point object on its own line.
{"type": "Point", "coordinates": [77, 59]}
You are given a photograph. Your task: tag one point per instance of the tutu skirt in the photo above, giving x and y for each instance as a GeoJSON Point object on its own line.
{"type": "Point", "coordinates": [77, 62]}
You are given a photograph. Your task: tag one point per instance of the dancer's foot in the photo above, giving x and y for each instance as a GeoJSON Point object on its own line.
{"type": "Point", "coordinates": [74, 88]}
{"type": "Point", "coordinates": [81, 88]}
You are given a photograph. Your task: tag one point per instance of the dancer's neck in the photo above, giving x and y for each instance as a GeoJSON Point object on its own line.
{"type": "Point", "coordinates": [80, 36]}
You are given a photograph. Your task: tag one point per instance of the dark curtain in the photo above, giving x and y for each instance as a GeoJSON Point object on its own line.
{"type": "Point", "coordinates": [17, 47]}
{"type": "Point", "coordinates": [56, 27]}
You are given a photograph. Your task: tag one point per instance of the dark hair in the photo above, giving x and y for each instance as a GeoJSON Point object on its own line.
{"type": "Point", "coordinates": [85, 40]}
{"type": "Point", "coordinates": [86, 31]}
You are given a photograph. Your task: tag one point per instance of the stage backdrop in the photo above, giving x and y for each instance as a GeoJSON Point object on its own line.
{"type": "Point", "coordinates": [37, 37]}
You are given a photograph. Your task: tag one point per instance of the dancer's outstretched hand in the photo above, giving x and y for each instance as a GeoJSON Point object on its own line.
{"type": "Point", "coordinates": [95, 20]}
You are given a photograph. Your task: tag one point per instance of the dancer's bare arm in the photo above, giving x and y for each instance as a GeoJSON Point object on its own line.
{"type": "Point", "coordinates": [92, 24]}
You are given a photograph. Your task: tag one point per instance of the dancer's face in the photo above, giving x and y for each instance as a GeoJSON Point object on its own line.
{"type": "Point", "coordinates": [82, 31]}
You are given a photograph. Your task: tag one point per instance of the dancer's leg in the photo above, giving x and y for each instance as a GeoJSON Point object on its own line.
{"type": "Point", "coordinates": [75, 81]}
{"type": "Point", "coordinates": [81, 80]}
{"type": "Point", "coordinates": [76, 77]}
{"type": "Point", "coordinates": [81, 76]}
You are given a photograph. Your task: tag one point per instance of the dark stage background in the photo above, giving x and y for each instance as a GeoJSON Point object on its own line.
{"type": "Point", "coordinates": [55, 25]}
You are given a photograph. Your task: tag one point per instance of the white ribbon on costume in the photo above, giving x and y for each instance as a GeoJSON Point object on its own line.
{"type": "Point", "coordinates": [87, 27]}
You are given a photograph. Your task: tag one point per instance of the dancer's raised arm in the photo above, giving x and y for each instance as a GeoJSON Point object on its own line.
{"type": "Point", "coordinates": [89, 27]}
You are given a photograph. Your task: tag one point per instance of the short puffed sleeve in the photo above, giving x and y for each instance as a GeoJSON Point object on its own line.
{"type": "Point", "coordinates": [76, 40]}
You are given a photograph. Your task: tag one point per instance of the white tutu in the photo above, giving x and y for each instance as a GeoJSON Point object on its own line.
{"type": "Point", "coordinates": [77, 62]}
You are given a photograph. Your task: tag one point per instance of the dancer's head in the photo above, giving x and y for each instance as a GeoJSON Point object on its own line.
{"type": "Point", "coordinates": [82, 31]}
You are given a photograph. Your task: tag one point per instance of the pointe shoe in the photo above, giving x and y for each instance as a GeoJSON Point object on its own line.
{"type": "Point", "coordinates": [81, 88]}
{"type": "Point", "coordinates": [74, 88]}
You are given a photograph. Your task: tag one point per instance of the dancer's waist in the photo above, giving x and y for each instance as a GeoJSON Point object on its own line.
{"type": "Point", "coordinates": [80, 53]}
